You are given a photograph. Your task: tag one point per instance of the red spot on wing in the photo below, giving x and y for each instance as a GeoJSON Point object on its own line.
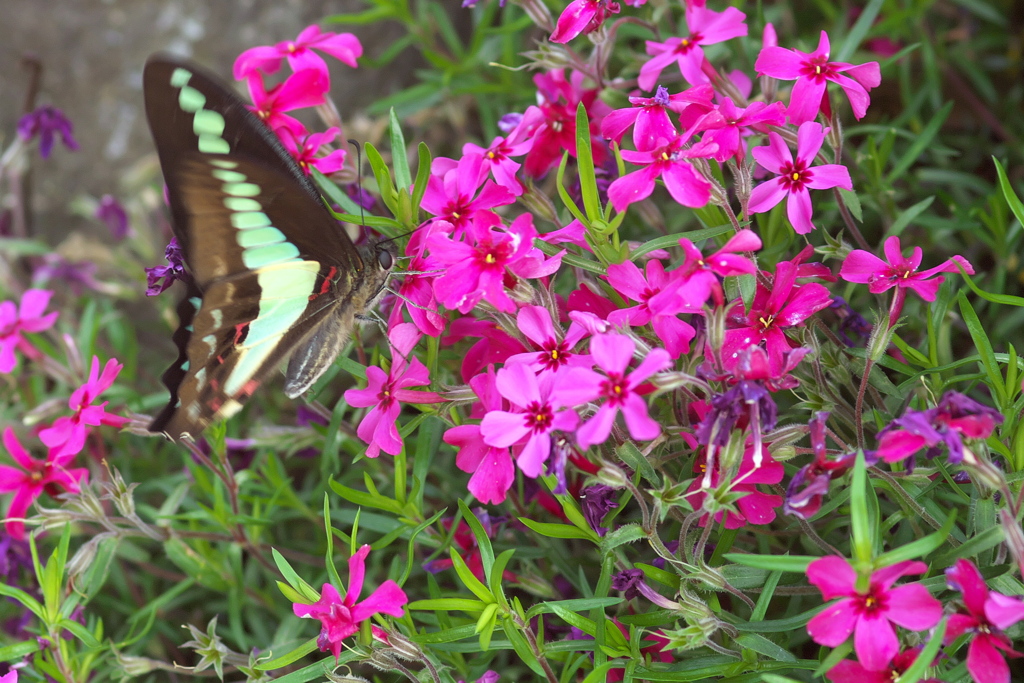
{"type": "Point", "coordinates": [326, 284]}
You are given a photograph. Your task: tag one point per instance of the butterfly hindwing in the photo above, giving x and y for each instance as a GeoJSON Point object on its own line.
{"type": "Point", "coordinates": [272, 270]}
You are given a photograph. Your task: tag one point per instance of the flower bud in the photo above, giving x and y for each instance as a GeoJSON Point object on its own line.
{"type": "Point", "coordinates": [611, 475]}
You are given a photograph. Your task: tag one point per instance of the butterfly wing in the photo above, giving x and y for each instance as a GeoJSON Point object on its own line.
{"type": "Point", "coordinates": [270, 264]}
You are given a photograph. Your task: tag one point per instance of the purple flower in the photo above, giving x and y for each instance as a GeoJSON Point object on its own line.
{"type": "Point", "coordinates": [613, 353]}
{"type": "Point", "coordinates": [631, 583]}
{"type": "Point", "coordinates": [113, 214]}
{"type": "Point", "coordinates": [596, 502]}
{"type": "Point", "coordinates": [812, 72]}
{"type": "Point", "coordinates": [955, 417]}
{"type": "Point", "coordinates": [175, 270]}
{"type": "Point", "coordinates": [47, 122]}
{"type": "Point", "coordinates": [796, 176]}
{"type": "Point", "coordinates": [78, 275]}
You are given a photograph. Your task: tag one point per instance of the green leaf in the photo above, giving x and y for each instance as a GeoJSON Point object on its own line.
{"type": "Point", "coordinates": [497, 575]}
{"type": "Point", "coordinates": [1004, 184]}
{"type": "Point", "coordinates": [558, 530]}
{"type": "Point", "coordinates": [585, 166]}
{"type": "Point", "coordinates": [860, 29]}
{"type": "Point", "coordinates": [905, 218]}
{"type": "Point", "coordinates": [921, 142]}
{"type": "Point", "coordinates": [372, 500]}
{"type": "Point", "coordinates": [852, 202]}
{"type": "Point", "coordinates": [860, 520]}
{"type": "Point", "coordinates": [763, 646]}
{"type": "Point", "coordinates": [920, 547]}
{"type": "Point", "coordinates": [388, 192]}
{"type": "Point", "coordinates": [483, 541]}
{"type": "Point", "coordinates": [564, 193]}
{"type": "Point", "coordinates": [399, 158]}
{"type": "Point", "coordinates": [422, 177]}
{"type": "Point", "coordinates": [763, 600]}
{"type": "Point", "coordinates": [774, 563]}
{"type": "Point", "coordinates": [470, 581]}
{"type": "Point", "coordinates": [984, 346]}
{"type": "Point", "coordinates": [927, 656]}
{"type": "Point", "coordinates": [632, 456]}
{"type": "Point", "coordinates": [449, 604]}
{"type": "Point", "coordinates": [574, 605]}
{"type": "Point", "coordinates": [669, 241]}
{"type": "Point", "coordinates": [292, 656]}
{"type": "Point", "coordinates": [627, 533]}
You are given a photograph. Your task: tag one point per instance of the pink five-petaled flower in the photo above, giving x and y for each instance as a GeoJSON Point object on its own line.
{"type": "Point", "coordinates": [669, 159]}
{"type": "Point", "coordinates": [900, 272]}
{"type": "Point", "coordinates": [34, 477]}
{"type": "Point", "coordinates": [306, 88]}
{"type": "Point", "coordinates": [786, 304]}
{"type": "Point", "coordinates": [556, 347]}
{"type": "Point", "coordinates": [727, 123]}
{"type": "Point", "coordinates": [384, 391]}
{"type": "Point", "coordinates": [706, 28]}
{"type": "Point", "coordinates": [697, 279]}
{"type": "Point", "coordinates": [582, 16]}
{"type": "Point", "coordinates": [812, 73]}
{"type": "Point", "coordinates": [497, 159]}
{"type": "Point", "coordinates": [649, 115]}
{"type": "Point", "coordinates": [988, 614]}
{"type": "Point", "coordinates": [339, 617]}
{"type": "Point", "coordinates": [67, 434]}
{"type": "Point", "coordinates": [654, 308]}
{"type": "Point", "coordinates": [796, 176]}
{"type": "Point", "coordinates": [755, 507]}
{"type": "Point", "coordinates": [613, 353]}
{"type": "Point", "coordinates": [416, 294]}
{"type": "Point", "coordinates": [491, 467]}
{"type": "Point", "coordinates": [869, 616]}
{"type": "Point", "coordinates": [849, 671]}
{"type": "Point", "coordinates": [478, 270]}
{"type": "Point", "coordinates": [304, 149]}
{"type": "Point", "coordinates": [26, 317]}
{"type": "Point", "coordinates": [451, 192]}
{"type": "Point", "coordinates": [299, 53]}
{"type": "Point", "coordinates": [541, 404]}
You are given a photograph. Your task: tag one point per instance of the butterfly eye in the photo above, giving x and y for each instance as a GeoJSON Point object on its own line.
{"type": "Point", "coordinates": [385, 259]}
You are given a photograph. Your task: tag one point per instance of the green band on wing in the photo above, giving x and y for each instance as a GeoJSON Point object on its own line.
{"type": "Point", "coordinates": [224, 163]}
{"type": "Point", "coordinates": [228, 176]}
{"type": "Point", "coordinates": [241, 204]}
{"type": "Point", "coordinates": [180, 77]}
{"type": "Point", "coordinates": [213, 144]}
{"type": "Point", "coordinates": [206, 122]}
{"type": "Point", "coordinates": [190, 99]}
{"type": "Point", "coordinates": [242, 189]}
{"type": "Point", "coordinates": [247, 220]}
{"type": "Point", "coordinates": [270, 254]}
{"type": "Point", "coordinates": [258, 237]}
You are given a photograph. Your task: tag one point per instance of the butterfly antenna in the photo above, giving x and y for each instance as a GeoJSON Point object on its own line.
{"type": "Point", "coordinates": [411, 303]}
{"type": "Point", "coordinates": [359, 180]}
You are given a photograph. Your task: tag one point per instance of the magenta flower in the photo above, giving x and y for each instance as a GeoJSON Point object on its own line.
{"type": "Point", "coordinates": [670, 161]}
{"type": "Point", "coordinates": [785, 305]}
{"type": "Point", "coordinates": [754, 507]}
{"type": "Point", "coordinates": [491, 467]}
{"type": "Point", "coordinates": [26, 317]}
{"type": "Point", "coordinates": [416, 294]}
{"type": "Point", "coordinates": [660, 311]}
{"type": "Point", "coordinates": [159, 278]}
{"type": "Point", "coordinates": [305, 148]}
{"type": "Point", "coordinates": [478, 271]}
{"type": "Point", "coordinates": [555, 346]}
{"type": "Point", "coordinates": [34, 478]}
{"type": "Point", "coordinates": [384, 391]}
{"type": "Point", "coordinates": [697, 278]}
{"type": "Point", "coordinates": [582, 16]}
{"type": "Point", "coordinates": [795, 176]}
{"type": "Point", "coordinates": [47, 123]}
{"type": "Point", "coordinates": [869, 616]}
{"type": "Point", "coordinates": [67, 434]}
{"type": "Point", "coordinates": [541, 406]}
{"type": "Point", "coordinates": [955, 418]}
{"type": "Point", "coordinates": [451, 193]}
{"type": "Point", "coordinates": [306, 88]}
{"type": "Point", "coordinates": [554, 130]}
{"type": "Point", "coordinates": [495, 345]}
{"type": "Point", "coordinates": [900, 272]}
{"type": "Point", "coordinates": [114, 216]}
{"type": "Point", "coordinates": [849, 671]}
{"type": "Point", "coordinates": [649, 115]}
{"type": "Point", "coordinates": [340, 618]}
{"type": "Point", "coordinates": [988, 614]}
{"type": "Point", "coordinates": [812, 73]}
{"type": "Point", "coordinates": [613, 353]}
{"type": "Point", "coordinates": [706, 28]}
{"type": "Point", "coordinates": [299, 53]}
{"type": "Point", "coordinates": [727, 124]}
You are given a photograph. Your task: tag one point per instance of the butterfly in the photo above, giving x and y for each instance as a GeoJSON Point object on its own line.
{"type": "Point", "coordinates": [273, 274]}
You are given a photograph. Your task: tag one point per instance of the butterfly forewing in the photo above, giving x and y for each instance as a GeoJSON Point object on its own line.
{"type": "Point", "coordinates": [273, 271]}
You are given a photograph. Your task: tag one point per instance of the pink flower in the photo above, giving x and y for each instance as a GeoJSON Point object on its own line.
{"type": "Point", "coordinates": [556, 347]}
{"type": "Point", "coordinates": [869, 616]}
{"type": "Point", "coordinates": [497, 159]}
{"type": "Point", "coordinates": [849, 671]}
{"type": "Point", "coordinates": [340, 618]}
{"type": "Point", "coordinates": [541, 407]}
{"type": "Point", "coordinates": [650, 115]}
{"type": "Point", "coordinates": [34, 477]}
{"type": "Point", "coordinates": [582, 16]}
{"type": "Point", "coordinates": [451, 193]}
{"type": "Point", "coordinates": [706, 28]}
{"type": "Point", "coordinates": [655, 307]}
{"type": "Point", "coordinates": [555, 129]}
{"type": "Point", "coordinates": [306, 88]}
{"type": "Point", "coordinates": [727, 124]}
{"type": "Point", "coordinates": [477, 270]}
{"type": "Point", "coordinates": [305, 148]}
{"type": "Point", "coordinates": [416, 294]}
{"type": "Point", "coordinates": [26, 317]}
{"type": "Point", "coordinates": [697, 279]}
{"type": "Point", "coordinates": [67, 435]}
{"type": "Point", "coordinates": [613, 353]}
{"type": "Point", "coordinates": [495, 344]}
{"type": "Point", "coordinates": [988, 615]}
{"type": "Point", "coordinates": [670, 161]}
{"type": "Point", "coordinates": [864, 267]}
{"type": "Point", "coordinates": [795, 176]}
{"type": "Point", "coordinates": [753, 508]}
{"type": "Point", "coordinates": [491, 467]}
{"type": "Point", "coordinates": [384, 391]}
{"type": "Point", "coordinates": [812, 72]}
{"type": "Point", "coordinates": [299, 53]}
{"type": "Point", "coordinates": [785, 305]}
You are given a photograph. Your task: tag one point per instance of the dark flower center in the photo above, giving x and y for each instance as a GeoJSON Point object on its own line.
{"type": "Point", "coordinates": [817, 69]}
{"type": "Point", "coordinates": [795, 175]}
{"type": "Point", "coordinates": [539, 416]}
